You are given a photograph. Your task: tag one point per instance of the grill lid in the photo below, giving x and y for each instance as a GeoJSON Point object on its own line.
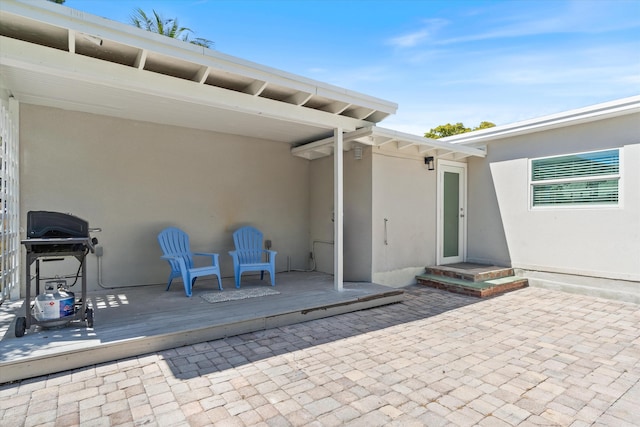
{"type": "Point", "coordinates": [47, 225]}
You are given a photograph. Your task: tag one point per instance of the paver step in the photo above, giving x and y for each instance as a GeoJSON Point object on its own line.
{"type": "Point", "coordinates": [478, 289]}
{"type": "Point", "coordinates": [470, 271]}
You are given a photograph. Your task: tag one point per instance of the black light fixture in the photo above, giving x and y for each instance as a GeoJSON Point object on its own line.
{"type": "Point", "coordinates": [430, 163]}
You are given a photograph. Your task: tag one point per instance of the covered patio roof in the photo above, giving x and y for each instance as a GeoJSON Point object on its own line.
{"type": "Point", "coordinates": [389, 140]}
{"type": "Point", "coordinates": [52, 55]}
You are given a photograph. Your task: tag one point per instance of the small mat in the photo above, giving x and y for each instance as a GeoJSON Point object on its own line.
{"type": "Point", "coordinates": [222, 296]}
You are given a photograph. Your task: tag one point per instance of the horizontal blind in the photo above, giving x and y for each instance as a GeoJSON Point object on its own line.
{"type": "Point", "coordinates": [575, 166]}
{"type": "Point", "coordinates": [603, 192]}
{"type": "Point", "coordinates": [583, 179]}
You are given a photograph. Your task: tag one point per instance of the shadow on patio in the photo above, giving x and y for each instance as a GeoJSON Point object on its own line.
{"type": "Point", "coordinates": [220, 355]}
{"type": "Point", "coordinates": [139, 320]}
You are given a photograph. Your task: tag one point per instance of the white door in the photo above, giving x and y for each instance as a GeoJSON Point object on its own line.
{"type": "Point", "coordinates": [452, 206]}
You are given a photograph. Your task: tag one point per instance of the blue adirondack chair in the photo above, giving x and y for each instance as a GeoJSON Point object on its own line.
{"type": "Point", "coordinates": [248, 255]}
{"type": "Point", "coordinates": [175, 246]}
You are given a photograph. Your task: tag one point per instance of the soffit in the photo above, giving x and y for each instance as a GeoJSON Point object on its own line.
{"type": "Point", "coordinates": [56, 56]}
{"type": "Point", "coordinates": [389, 141]}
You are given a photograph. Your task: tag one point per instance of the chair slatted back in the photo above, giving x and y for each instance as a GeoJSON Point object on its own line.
{"type": "Point", "coordinates": [175, 242]}
{"type": "Point", "coordinates": [248, 241]}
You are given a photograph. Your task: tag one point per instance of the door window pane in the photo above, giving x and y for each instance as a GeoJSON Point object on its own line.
{"type": "Point", "coordinates": [451, 217]}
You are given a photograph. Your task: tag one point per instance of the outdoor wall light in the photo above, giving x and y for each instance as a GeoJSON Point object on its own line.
{"type": "Point", "coordinates": [430, 163]}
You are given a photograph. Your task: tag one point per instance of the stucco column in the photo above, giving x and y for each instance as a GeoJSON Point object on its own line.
{"type": "Point", "coordinates": [338, 208]}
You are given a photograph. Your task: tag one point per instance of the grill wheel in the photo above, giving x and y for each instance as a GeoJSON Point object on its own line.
{"type": "Point", "coordinates": [21, 326]}
{"type": "Point", "coordinates": [89, 317]}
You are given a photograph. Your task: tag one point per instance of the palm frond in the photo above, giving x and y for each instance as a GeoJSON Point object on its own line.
{"type": "Point", "coordinates": [167, 27]}
{"type": "Point", "coordinates": [141, 20]}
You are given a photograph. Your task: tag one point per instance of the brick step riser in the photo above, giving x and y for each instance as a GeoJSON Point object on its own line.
{"type": "Point", "coordinates": [480, 277]}
{"type": "Point", "coordinates": [480, 293]}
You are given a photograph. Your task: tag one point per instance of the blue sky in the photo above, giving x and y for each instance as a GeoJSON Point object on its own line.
{"type": "Point", "coordinates": [441, 61]}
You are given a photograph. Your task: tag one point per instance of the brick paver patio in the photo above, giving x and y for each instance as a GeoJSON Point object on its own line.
{"type": "Point", "coordinates": [531, 357]}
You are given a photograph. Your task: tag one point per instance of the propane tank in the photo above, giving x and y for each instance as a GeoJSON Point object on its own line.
{"type": "Point", "coordinates": [56, 303]}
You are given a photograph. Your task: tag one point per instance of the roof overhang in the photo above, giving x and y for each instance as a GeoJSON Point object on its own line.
{"type": "Point", "coordinates": [620, 107]}
{"type": "Point", "coordinates": [55, 56]}
{"type": "Point", "coordinates": [387, 140]}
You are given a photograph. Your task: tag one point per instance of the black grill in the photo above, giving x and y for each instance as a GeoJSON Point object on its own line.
{"type": "Point", "coordinates": [52, 236]}
{"type": "Point", "coordinates": [45, 224]}
{"type": "Point", "coordinates": [56, 232]}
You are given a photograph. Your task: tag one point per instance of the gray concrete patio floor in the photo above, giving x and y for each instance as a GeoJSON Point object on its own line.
{"type": "Point", "coordinates": [529, 357]}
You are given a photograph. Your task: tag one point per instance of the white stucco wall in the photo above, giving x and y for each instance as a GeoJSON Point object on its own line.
{"type": "Point", "coordinates": [486, 241]}
{"type": "Point", "coordinates": [384, 184]}
{"type": "Point", "coordinates": [320, 211]}
{"type": "Point", "coordinates": [132, 179]}
{"type": "Point", "coordinates": [357, 215]}
{"type": "Point", "coordinates": [599, 242]}
{"type": "Point", "coordinates": [404, 192]}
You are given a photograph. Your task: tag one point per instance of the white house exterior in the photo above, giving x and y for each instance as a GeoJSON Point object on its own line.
{"type": "Point", "coordinates": [390, 212]}
{"type": "Point", "coordinates": [593, 243]}
{"type": "Point", "coordinates": [135, 132]}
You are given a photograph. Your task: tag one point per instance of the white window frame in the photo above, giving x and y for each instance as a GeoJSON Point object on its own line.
{"type": "Point", "coordinates": [617, 176]}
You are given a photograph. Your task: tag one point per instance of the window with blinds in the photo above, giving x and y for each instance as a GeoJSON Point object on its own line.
{"type": "Point", "coordinates": [585, 179]}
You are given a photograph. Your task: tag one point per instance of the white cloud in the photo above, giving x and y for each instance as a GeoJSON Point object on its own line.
{"type": "Point", "coordinates": [514, 20]}
{"type": "Point", "coordinates": [409, 40]}
{"type": "Point", "coordinates": [431, 27]}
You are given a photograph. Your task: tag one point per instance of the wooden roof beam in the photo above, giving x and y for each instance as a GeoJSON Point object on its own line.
{"type": "Point", "coordinates": [202, 74]}
{"type": "Point", "coordinates": [255, 88]}
{"type": "Point", "coordinates": [141, 59]}
{"type": "Point", "coordinates": [299, 98]}
{"type": "Point", "coordinates": [336, 107]}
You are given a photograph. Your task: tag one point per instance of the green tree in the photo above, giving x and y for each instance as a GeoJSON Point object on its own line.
{"type": "Point", "coordinates": [485, 125]}
{"type": "Point", "coordinates": [166, 27]}
{"type": "Point", "coordinates": [443, 131]}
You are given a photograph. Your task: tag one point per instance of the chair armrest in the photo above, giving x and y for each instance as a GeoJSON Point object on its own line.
{"type": "Point", "coordinates": [176, 258]}
{"type": "Point", "coordinates": [214, 257]}
{"type": "Point", "coordinates": [271, 256]}
{"type": "Point", "coordinates": [172, 257]}
{"type": "Point", "coordinates": [234, 255]}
